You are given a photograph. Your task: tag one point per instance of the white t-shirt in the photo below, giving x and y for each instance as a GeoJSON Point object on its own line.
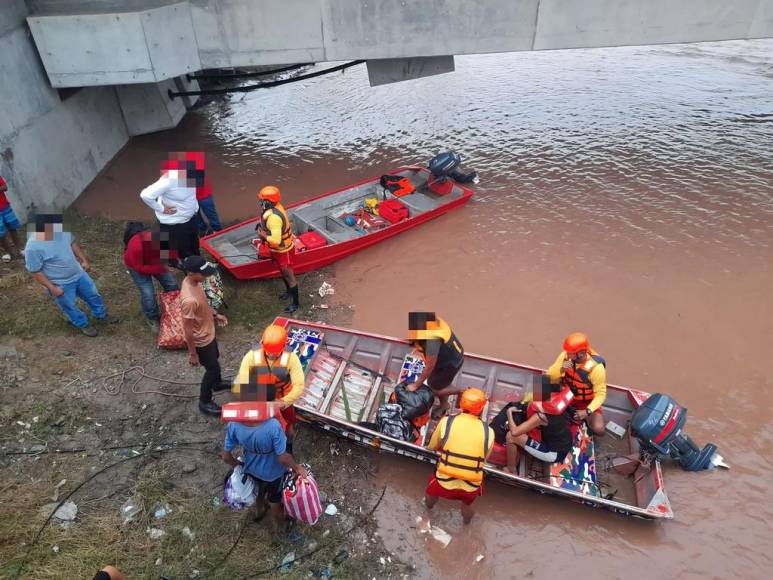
{"type": "Point", "coordinates": [171, 192]}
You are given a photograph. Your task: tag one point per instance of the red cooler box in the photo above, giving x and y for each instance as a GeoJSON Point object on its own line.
{"type": "Point", "coordinates": [312, 240]}
{"type": "Point", "coordinates": [393, 210]}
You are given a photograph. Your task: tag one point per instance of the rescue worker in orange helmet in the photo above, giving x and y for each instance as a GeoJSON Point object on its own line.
{"type": "Point", "coordinates": [464, 442]}
{"type": "Point", "coordinates": [275, 230]}
{"type": "Point", "coordinates": [582, 369]}
{"type": "Point", "coordinates": [443, 355]}
{"type": "Point", "coordinates": [270, 372]}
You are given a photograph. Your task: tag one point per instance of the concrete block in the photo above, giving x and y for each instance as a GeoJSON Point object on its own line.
{"type": "Point", "coordinates": [596, 23]}
{"type": "Point", "coordinates": [247, 33]}
{"type": "Point", "coordinates": [97, 49]}
{"type": "Point", "coordinates": [171, 41]}
{"type": "Point", "coordinates": [12, 15]}
{"type": "Point", "coordinates": [393, 70]}
{"type": "Point", "coordinates": [53, 159]}
{"type": "Point", "coordinates": [25, 93]}
{"type": "Point", "coordinates": [147, 107]}
{"type": "Point", "coordinates": [373, 29]}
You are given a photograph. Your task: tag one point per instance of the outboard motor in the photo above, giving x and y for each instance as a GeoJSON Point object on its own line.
{"type": "Point", "coordinates": [658, 425]}
{"type": "Point", "coordinates": [444, 168]}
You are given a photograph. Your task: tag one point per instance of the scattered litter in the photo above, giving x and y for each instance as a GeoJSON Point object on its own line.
{"type": "Point", "coordinates": [326, 573]}
{"type": "Point", "coordinates": [188, 533]}
{"type": "Point", "coordinates": [479, 557]}
{"type": "Point", "coordinates": [326, 289]}
{"type": "Point", "coordinates": [216, 501]}
{"type": "Point", "coordinates": [334, 450]}
{"type": "Point", "coordinates": [55, 496]}
{"type": "Point", "coordinates": [311, 545]}
{"type": "Point", "coordinates": [326, 533]}
{"type": "Point", "coordinates": [324, 306]}
{"type": "Point", "coordinates": [23, 424]}
{"type": "Point", "coordinates": [158, 561]}
{"type": "Point", "coordinates": [340, 557]}
{"type": "Point", "coordinates": [331, 509]}
{"type": "Point", "coordinates": [129, 509]}
{"type": "Point", "coordinates": [161, 511]}
{"type": "Point", "coordinates": [35, 419]}
{"type": "Point", "coordinates": [194, 574]}
{"type": "Point", "coordinates": [382, 560]}
{"type": "Point", "coordinates": [441, 536]}
{"type": "Point", "coordinates": [287, 563]}
{"type": "Point", "coordinates": [55, 548]}
{"type": "Point", "coordinates": [155, 533]}
{"type": "Point", "coordinates": [97, 424]}
{"type": "Point", "coordinates": [67, 512]}
{"type": "Point", "coordinates": [424, 525]}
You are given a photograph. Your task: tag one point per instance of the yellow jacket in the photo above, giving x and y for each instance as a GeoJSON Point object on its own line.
{"type": "Point", "coordinates": [296, 376]}
{"type": "Point", "coordinates": [597, 376]}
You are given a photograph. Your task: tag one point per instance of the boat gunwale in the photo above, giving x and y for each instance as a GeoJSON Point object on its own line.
{"type": "Point", "coordinates": [498, 474]}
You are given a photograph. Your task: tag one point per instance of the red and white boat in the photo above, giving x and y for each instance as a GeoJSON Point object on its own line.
{"type": "Point", "coordinates": [337, 224]}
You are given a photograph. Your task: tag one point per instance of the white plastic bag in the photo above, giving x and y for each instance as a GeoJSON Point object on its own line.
{"type": "Point", "coordinates": [239, 491]}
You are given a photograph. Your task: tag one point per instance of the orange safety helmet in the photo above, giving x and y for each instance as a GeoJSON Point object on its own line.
{"type": "Point", "coordinates": [269, 193]}
{"type": "Point", "coordinates": [274, 339]}
{"type": "Point", "coordinates": [472, 401]}
{"type": "Point", "coordinates": [576, 342]}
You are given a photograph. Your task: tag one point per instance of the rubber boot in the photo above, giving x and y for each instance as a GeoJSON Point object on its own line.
{"type": "Point", "coordinates": [286, 295]}
{"type": "Point", "coordinates": [295, 303]}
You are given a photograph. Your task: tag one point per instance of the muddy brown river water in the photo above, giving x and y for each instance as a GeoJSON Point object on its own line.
{"type": "Point", "coordinates": [625, 192]}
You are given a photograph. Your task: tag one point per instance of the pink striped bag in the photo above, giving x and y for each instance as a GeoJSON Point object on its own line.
{"type": "Point", "coordinates": [300, 497]}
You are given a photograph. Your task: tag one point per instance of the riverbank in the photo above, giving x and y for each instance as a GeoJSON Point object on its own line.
{"type": "Point", "coordinates": [70, 414]}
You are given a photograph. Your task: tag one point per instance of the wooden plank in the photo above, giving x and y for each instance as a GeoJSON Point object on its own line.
{"type": "Point", "coordinates": [370, 403]}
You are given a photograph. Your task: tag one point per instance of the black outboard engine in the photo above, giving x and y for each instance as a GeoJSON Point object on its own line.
{"type": "Point", "coordinates": [658, 424]}
{"type": "Point", "coordinates": [445, 165]}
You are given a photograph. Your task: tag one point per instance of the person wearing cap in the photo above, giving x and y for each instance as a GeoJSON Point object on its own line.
{"type": "Point", "coordinates": [274, 230]}
{"type": "Point", "coordinates": [173, 199]}
{"type": "Point", "coordinates": [443, 355]}
{"type": "Point", "coordinates": [198, 320]}
{"type": "Point", "coordinates": [582, 369]}
{"type": "Point", "coordinates": [278, 370]}
{"type": "Point", "coordinates": [464, 442]}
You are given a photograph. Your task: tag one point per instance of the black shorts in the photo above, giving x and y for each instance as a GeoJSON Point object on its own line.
{"type": "Point", "coordinates": [542, 452]}
{"type": "Point", "coordinates": [271, 490]}
{"type": "Point", "coordinates": [441, 378]}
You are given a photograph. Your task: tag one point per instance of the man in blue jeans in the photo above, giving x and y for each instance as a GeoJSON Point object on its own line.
{"type": "Point", "coordinates": [50, 256]}
{"type": "Point", "coordinates": [143, 258]}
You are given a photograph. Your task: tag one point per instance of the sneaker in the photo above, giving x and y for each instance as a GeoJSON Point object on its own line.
{"type": "Point", "coordinates": [153, 324]}
{"type": "Point", "coordinates": [210, 408]}
{"type": "Point", "coordinates": [108, 319]}
{"type": "Point", "coordinates": [89, 331]}
{"type": "Point", "coordinates": [290, 308]}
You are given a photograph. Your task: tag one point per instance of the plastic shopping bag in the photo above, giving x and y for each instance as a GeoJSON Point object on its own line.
{"type": "Point", "coordinates": [239, 491]}
{"type": "Point", "coordinates": [300, 497]}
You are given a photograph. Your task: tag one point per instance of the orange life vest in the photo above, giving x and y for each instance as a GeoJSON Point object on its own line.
{"type": "Point", "coordinates": [578, 378]}
{"type": "Point", "coordinates": [275, 373]}
{"type": "Point", "coordinates": [463, 449]}
{"type": "Point", "coordinates": [286, 243]}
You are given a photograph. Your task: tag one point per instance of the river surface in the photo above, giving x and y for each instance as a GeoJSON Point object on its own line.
{"type": "Point", "coordinates": [625, 192]}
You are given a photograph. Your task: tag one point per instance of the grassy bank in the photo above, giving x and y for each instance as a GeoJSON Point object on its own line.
{"type": "Point", "coordinates": [54, 394]}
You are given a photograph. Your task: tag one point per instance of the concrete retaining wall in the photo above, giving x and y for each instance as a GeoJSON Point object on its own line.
{"type": "Point", "coordinates": [50, 149]}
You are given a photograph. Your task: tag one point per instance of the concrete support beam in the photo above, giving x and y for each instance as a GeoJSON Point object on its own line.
{"type": "Point", "coordinates": [147, 107]}
{"type": "Point", "coordinates": [112, 48]}
{"type": "Point", "coordinates": [392, 70]}
{"type": "Point", "coordinates": [88, 42]}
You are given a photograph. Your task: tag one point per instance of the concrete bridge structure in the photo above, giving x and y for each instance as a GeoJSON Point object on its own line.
{"type": "Point", "coordinates": [101, 70]}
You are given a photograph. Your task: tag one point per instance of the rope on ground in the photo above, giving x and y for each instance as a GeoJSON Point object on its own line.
{"type": "Point", "coordinates": [113, 383]}
{"type": "Point", "coordinates": [20, 569]}
{"type": "Point", "coordinates": [359, 523]}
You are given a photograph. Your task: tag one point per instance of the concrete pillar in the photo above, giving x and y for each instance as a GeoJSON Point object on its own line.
{"type": "Point", "coordinates": [147, 107]}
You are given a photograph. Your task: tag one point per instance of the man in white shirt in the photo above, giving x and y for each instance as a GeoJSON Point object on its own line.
{"type": "Point", "coordinates": [173, 199]}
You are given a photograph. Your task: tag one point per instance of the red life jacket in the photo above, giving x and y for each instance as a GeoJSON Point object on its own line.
{"type": "Point", "coordinates": [578, 378]}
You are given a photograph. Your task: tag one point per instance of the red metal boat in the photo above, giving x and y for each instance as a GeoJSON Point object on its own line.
{"type": "Point", "coordinates": [343, 221]}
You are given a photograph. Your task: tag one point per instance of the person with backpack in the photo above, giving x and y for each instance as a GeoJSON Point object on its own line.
{"type": "Point", "coordinates": [142, 257]}
{"type": "Point", "coordinates": [464, 443]}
